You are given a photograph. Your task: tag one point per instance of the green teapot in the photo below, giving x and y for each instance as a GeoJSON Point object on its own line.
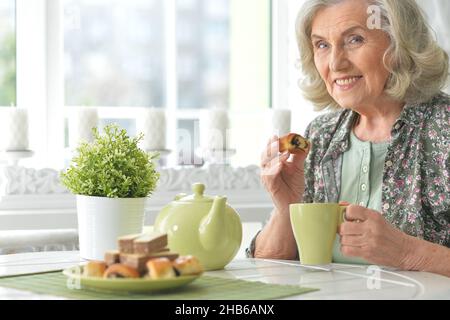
{"type": "Point", "coordinates": [203, 226]}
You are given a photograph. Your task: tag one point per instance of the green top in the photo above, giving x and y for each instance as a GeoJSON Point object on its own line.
{"type": "Point", "coordinates": [415, 188]}
{"type": "Point", "coordinates": [415, 195]}
{"type": "Point", "coordinates": [361, 181]}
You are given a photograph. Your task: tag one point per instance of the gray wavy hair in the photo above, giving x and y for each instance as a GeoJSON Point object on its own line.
{"type": "Point", "coordinates": [418, 66]}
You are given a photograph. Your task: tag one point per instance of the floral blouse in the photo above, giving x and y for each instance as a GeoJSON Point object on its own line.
{"type": "Point", "coordinates": [416, 182]}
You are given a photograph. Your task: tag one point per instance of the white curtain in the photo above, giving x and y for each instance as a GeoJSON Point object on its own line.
{"type": "Point", "coordinates": [438, 13]}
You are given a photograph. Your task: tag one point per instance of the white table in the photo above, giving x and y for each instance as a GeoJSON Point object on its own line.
{"type": "Point", "coordinates": [336, 282]}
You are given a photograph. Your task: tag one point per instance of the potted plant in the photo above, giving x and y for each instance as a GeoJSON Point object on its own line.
{"type": "Point", "coordinates": [111, 178]}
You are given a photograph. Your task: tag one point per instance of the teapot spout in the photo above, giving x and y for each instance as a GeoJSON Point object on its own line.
{"type": "Point", "coordinates": [212, 226]}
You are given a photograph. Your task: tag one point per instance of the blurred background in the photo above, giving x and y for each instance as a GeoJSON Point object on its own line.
{"type": "Point", "coordinates": [182, 56]}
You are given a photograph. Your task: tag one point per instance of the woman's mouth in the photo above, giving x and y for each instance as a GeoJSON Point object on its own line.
{"type": "Point", "coordinates": [347, 83]}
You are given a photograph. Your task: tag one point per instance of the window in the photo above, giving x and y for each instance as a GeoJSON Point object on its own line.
{"type": "Point", "coordinates": [203, 53]}
{"type": "Point", "coordinates": [181, 55]}
{"type": "Point", "coordinates": [287, 73]}
{"type": "Point", "coordinates": [7, 52]}
{"type": "Point", "coordinates": [114, 53]}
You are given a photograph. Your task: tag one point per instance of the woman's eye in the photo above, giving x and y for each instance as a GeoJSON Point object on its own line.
{"type": "Point", "coordinates": [321, 45]}
{"type": "Point", "coordinates": [356, 40]}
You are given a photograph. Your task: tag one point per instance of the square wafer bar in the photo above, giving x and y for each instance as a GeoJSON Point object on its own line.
{"type": "Point", "coordinates": [126, 243]}
{"type": "Point", "coordinates": [138, 261]}
{"type": "Point", "coordinates": [150, 243]}
{"type": "Point", "coordinates": [112, 257]}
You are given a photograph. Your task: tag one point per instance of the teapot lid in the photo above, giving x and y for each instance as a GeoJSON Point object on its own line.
{"type": "Point", "coordinates": [198, 196]}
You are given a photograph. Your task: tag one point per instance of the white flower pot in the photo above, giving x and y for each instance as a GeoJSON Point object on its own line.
{"type": "Point", "coordinates": [102, 220]}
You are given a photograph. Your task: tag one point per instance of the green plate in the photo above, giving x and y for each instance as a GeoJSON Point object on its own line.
{"type": "Point", "coordinates": [76, 280]}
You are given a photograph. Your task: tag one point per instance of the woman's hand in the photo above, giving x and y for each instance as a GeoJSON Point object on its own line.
{"type": "Point", "coordinates": [366, 234]}
{"type": "Point", "coordinates": [282, 175]}
{"type": "Point", "coordinates": [284, 179]}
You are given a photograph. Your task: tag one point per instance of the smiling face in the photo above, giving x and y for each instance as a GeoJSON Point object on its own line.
{"type": "Point", "coordinates": [349, 56]}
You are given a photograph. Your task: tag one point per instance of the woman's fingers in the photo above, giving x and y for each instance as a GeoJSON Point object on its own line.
{"type": "Point", "coordinates": [273, 139]}
{"type": "Point", "coordinates": [272, 161]}
{"type": "Point", "coordinates": [271, 152]}
{"type": "Point", "coordinates": [351, 251]}
{"type": "Point", "coordinates": [298, 160]}
{"type": "Point", "coordinates": [350, 228]}
{"type": "Point", "coordinates": [356, 213]}
{"type": "Point", "coordinates": [352, 241]}
{"type": "Point", "coordinates": [274, 166]}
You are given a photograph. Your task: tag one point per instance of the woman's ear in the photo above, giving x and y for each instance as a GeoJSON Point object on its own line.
{"type": "Point", "coordinates": [388, 59]}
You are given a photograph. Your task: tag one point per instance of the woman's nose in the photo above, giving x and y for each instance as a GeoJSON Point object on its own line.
{"type": "Point", "coordinates": [338, 60]}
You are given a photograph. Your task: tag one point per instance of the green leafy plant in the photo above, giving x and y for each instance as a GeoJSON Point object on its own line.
{"type": "Point", "coordinates": [112, 166]}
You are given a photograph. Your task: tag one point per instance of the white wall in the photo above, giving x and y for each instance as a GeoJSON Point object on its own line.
{"type": "Point", "coordinates": [438, 12]}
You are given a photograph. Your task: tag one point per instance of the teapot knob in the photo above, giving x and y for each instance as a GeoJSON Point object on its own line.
{"type": "Point", "coordinates": [198, 189]}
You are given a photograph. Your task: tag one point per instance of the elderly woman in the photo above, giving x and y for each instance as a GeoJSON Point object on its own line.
{"type": "Point", "coordinates": [384, 148]}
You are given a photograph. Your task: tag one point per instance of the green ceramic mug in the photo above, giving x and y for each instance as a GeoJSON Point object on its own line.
{"type": "Point", "coordinates": [315, 227]}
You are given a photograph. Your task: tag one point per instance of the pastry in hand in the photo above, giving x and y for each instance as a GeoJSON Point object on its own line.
{"type": "Point", "coordinates": [187, 265]}
{"type": "Point", "coordinates": [160, 268]}
{"type": "Point", "coordinates": [120, 271]}
{"type": "Point", "coordinates": [94, 269]}
{"type": "Point", "coordinates": [294, 143]}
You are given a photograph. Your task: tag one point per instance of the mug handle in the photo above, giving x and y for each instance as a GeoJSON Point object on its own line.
{"type": "Point", "coordinates": [342, 209]}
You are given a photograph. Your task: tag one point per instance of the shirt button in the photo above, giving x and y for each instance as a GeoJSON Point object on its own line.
{"type": "Point", "coordinates": [365, 169]}
{"type": "Point", "coordinates": [389, 163]}
{"type": "Point", "coordinates": [363, 187]}
{"type": "Point", "coordinates": [386, 206]}
{"type": "Point", "coordinates": [397, 126]}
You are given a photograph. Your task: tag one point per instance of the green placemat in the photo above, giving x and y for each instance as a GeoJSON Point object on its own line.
{"type": "Point", "coordinates": [204, 288]}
